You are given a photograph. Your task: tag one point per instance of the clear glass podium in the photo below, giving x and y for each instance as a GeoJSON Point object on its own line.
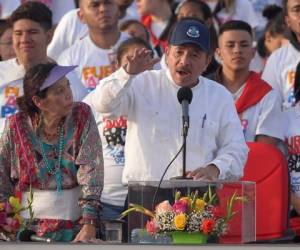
{"type": "Point", "coordinates": [241, 229]}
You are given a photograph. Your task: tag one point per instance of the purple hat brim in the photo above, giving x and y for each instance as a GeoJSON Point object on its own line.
{"type": "Point", "coordinates": [57, 73]}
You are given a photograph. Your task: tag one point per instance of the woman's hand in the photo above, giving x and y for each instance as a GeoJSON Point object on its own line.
{"type": "Point", "coordinates": [86, 234]}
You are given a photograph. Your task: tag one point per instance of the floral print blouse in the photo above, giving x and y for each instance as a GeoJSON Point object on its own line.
{"type": "Point", "coordinates": [22, 159]}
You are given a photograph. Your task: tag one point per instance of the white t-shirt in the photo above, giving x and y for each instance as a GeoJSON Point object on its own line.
{"type": "Point", "coordinates": [261, 119]}
{"type": "Point", "coordinates": [68, 31]}
{"type": "Point", "coordinates": [93, 62]}
{"type": "Point", "coordinates": [11, 87]}
{"type": "Point", "coordinates": [112, 133]}
{"type": "Point", "coordinates": [279, 72]}
{"type": "Point", "coordinates": [291, 118]}
{"type": "Point", "coordinates": [149, 102]}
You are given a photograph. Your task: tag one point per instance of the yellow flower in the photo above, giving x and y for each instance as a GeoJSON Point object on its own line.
{"type": "Point", "coordinates": [14, 202]}
{"type": "Point", "coordinates": [180, 221]}
{"type": "Point", "coordinates": [199, 205]}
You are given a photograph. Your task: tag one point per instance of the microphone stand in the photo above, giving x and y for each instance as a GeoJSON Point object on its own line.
{"type": "Point", "coordinates": [184, 135]}
{"type": "Point", "coordinates": [185, 129]}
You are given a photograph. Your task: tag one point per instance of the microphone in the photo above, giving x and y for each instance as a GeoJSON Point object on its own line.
{"type": "Point", "coordinates": [185, 96]}
{"type": "Point", "coordinates": [29, 235]}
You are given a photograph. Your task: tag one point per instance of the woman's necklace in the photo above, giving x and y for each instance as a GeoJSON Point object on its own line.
{"type": "Point", "coordinates": [56, 170]}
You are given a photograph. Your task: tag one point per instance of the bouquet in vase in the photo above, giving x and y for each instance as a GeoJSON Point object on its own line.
{"type": "Point", "coordinates": [190, 219]}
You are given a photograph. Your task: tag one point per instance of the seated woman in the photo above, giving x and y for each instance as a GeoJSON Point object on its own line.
{"type": "Point", "coordinates": [53, 146]}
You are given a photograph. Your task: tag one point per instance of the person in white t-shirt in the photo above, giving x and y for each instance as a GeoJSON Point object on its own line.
{"type": "Point", "coordinates": [256, 102]}
{"type": "Point", "coordinates": [70, 30]}
{"type": "Point", "coordinates": [113, 134]}
{"type": "Point", "coordinates": [291, 117]}
{"type": "Point", "coordinates": [216, 147]}
{"type": "Point", "coordinates": [279, 71]}
{"type": "Point", "coordinates": [95, 54]}
{"type": "Point", "coordinates": [31, 23]}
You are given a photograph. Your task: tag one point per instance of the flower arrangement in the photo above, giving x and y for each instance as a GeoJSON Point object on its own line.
{"type": "Point", "coordinates": [10, 216]}
{"type": "Point", "coordinates": [191, 214]}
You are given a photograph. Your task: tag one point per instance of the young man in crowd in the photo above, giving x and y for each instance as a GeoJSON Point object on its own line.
{"type": "Point", "coordinates": [216, 147]}
{"type": "Point", "coordinates": [279, 71]}
{"type": "Point", "coordinates": [31, 23]}
{"type": "Point", "coordinates": [95, 53]}
{"type": "Point", "coordinates": [256, 102]}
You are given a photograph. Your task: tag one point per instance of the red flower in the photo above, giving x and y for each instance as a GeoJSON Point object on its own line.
{"type": "Point", "coordinates": [207, 225]}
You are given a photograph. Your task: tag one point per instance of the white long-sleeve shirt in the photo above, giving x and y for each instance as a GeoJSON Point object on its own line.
{"type": "Point", "coordinates": [153, 113]}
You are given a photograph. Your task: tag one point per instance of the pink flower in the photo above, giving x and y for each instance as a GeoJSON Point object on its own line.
{"type": "Point", "coordinates": [152, 227]}
{"type": "Point", "coordinates": [163, 207]}
{"type": "Point", "coordinates": [180, 206]}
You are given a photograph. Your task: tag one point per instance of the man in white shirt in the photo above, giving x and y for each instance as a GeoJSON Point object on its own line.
{"type": "Point", "coordinates": [280, 68]}
{"type": "Point", "coordinates": [215, 144]}
{"type": "Point", "coordinates": [95, 53]}
{"type": "Point", "coordinates": [256, 102]}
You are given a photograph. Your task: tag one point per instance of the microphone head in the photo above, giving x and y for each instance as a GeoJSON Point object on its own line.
{"type": "Point", "coordinates": [185, 93]}
{"type": "Point", "coordinates": [24, 235]}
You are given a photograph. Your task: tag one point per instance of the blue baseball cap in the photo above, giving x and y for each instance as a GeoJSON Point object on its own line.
{"type": "Point", "coordinates": [190, 31]}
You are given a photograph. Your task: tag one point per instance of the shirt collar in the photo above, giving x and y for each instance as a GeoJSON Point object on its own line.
{"type": "Point", "coordinates": [168, 73]}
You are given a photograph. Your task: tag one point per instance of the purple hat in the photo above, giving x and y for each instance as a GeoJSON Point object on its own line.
{"type": "Point", "coordinates": [191, 31]}
{"type": "Point", "coordinates": [57, 73]}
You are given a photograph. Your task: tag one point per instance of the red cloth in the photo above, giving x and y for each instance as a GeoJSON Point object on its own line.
{"type": "Point", "coordinates": [147, 22]}
{"type": "Point", "coordinates": [254, 91]}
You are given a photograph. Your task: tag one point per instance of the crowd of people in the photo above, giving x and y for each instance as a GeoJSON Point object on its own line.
{"type": "Point", "coordinates": [88, 97]}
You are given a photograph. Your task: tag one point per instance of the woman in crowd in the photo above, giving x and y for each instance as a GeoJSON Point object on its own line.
{"type": "Point", "coordinates": [53, 146]}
